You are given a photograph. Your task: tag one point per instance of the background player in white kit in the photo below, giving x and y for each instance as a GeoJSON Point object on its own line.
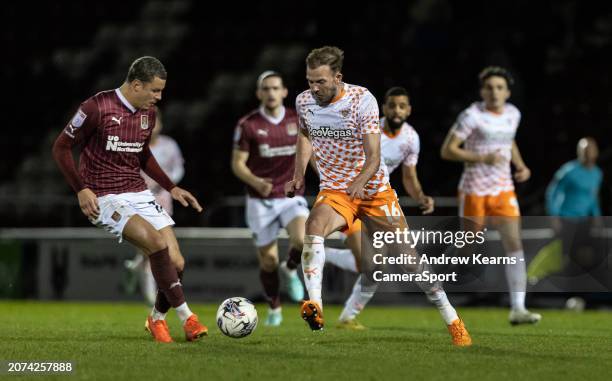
{"type": "Point", "coordinates": [483, 139]}
{"type": "Point", "coordinates": [169, 157]}
{"type": "Point", "coordinates": [400, 145]}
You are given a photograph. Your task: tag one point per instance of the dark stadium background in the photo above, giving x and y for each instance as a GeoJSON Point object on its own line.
{"type": "Point", "coordinates": [58, 53]}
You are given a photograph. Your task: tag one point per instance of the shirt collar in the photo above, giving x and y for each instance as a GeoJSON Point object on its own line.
{"type": "Point", "coordinates": [125, 101]}
{"type": "Point", "coordinates": [272, 119]}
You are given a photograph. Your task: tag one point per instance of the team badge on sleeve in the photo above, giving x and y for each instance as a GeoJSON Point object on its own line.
{"type": "Point", "coordinates": [144, 122]}
{"type": "Point", "coordinates": [77, 121]}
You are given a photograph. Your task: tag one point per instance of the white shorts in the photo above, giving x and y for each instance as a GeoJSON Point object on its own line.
{"type": "Point", "coordinates": [116, 210]}
{"type": "Point", "coordinates": [265, 217]}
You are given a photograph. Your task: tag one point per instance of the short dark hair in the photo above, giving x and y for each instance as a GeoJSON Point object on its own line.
{"type": "Point", "coordinates": [495, 71]}
{"type": "Point", "coordinates": [396, 92]}
{"type": "Point", "coordinates": [327, 55]}
{"type": "Point", "coordinates": [145, 69]}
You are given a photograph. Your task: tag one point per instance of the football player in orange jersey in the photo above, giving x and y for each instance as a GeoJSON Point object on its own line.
{"type": "Point", "coordinates": [339, 124]}
{"type": "Point", "coordinates": [483, 139]}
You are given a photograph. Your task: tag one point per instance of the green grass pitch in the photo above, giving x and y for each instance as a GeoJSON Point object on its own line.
{"type": "Point", "coordinates": [107, 342]}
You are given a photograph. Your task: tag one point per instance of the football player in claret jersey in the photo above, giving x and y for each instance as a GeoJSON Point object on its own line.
{"type": "Point", "coordinates": [339, 124]}
{"type": "Point", "coordinates": [263, 158]}
{"type": "Point", "coordinates": [114, 129]}
{"type": "Point", "coordinates": [169, 157]}
{"type": "Point", "coordinates": [400, 145]}
{"type": "Point", "coordinates": [483, 139]}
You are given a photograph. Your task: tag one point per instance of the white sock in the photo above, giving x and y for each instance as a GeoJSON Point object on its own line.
{"type": "Point", "coordinates": [516, 275]}
{"type": "Point", "coordinates": [147, 284]}
{"type": "Point", "coordinates": [342, 258]}
{"type": "Point", "coordinates": [440, 300]}
{"type": "Point", "coordinates": [183, 312]}
{"type": "Point", "coordinates": [156, 315]}
{"type": "Point", "coordinates": [313, 261]}
{"type": "Point", "coordinates": [357, 301]}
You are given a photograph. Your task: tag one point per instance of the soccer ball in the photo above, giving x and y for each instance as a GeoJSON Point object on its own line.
{"type": "Point", "coordinates": [575, 304]}
{"type": "Point", "coordinates": [237, 317]}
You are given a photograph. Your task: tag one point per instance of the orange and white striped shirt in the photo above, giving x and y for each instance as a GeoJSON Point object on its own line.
{"type": "Point", "coordinates": [336, 132]}
{"type": "Point", "coordinates": [485, 132]}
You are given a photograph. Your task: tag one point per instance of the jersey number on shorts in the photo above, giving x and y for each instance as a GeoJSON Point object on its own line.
{"type": "Point", "coordinates": [392, 214]}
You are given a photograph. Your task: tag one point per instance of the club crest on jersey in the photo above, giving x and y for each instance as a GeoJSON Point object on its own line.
{"type": "Point", "coordinates": [144, 122]}
{"type": "Point", "coordinates": [292, 129]}
{"type": "Point", "coordinates": [345, 113]}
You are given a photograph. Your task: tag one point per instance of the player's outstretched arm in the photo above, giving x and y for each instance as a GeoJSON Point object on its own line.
{"type": "Point", "coordinates": [522, 172]}
{"type": "Point", "coordinates": [412, 185]}
{"type": "Point", "coordinates": [303, 153]}
{"type": "Point", "coordinates": [263, 186]}
{"type": "Point", "coordinates": [371, 148]}
{"type": "Point", "coordinates": [151, 167]}
{"type": "Point", "coordinates": [452, 150]}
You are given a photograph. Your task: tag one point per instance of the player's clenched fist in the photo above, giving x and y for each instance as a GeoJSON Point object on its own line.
{"type": "Point", "coordinates": [292, 186]}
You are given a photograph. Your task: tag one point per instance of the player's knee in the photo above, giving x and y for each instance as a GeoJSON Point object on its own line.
{"type": "Point", "coordinates": [156, 242]}
{"type": "Point", "coordinates": [315, 225]}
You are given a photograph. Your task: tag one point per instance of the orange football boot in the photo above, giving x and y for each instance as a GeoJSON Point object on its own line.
{"type": "Point", "coordinates": [312, 313]}
{"type": "Point", "coordinates": [193, 329]}
{"type": "Point", "coordinates": [158, 329]}
{"type": "Point", "coordinates": [460, 335]}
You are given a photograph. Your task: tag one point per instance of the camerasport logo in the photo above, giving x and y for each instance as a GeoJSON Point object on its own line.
{"type": "Point", "coordinates": [331, 133]}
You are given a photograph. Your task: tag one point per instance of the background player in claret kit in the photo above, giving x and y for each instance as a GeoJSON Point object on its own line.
{"type": "Point", "coordinates": [169, 157]}
{"type": "Point", "coordinates": [400, 145]}
{"type": "Point", "coordinates": [263, 158]}
{"type": "Point", "coordinates": [114, 128]}
{"type": "Point", "coordinates": [339, 124]}
{"type": "Point", "coordinates": [483, 138]}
